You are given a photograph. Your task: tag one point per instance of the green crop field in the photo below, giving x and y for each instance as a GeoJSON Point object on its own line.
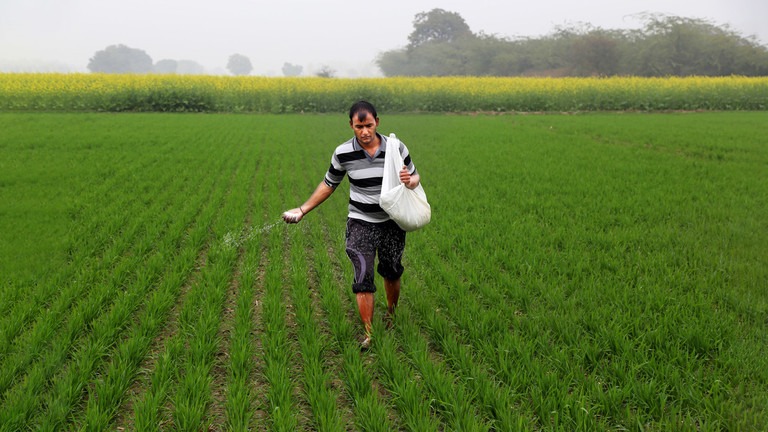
{"type": "Point", "coordinates": [581, 272]}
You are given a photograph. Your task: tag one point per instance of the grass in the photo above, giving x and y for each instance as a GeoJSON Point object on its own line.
{"type": "Point", "coordinates": [581, 272]}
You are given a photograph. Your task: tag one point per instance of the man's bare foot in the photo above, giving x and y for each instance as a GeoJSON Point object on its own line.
{"type": "Point", "coordinates": [365, 345]}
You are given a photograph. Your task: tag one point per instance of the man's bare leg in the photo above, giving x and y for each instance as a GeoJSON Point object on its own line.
{"type": "Point", "coordinates": [365, 307]}
{"type": "Point", "coordinates": [393, 295]}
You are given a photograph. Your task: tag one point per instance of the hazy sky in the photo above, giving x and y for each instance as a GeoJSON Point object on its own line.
{"type": "Point", "coordinates": [345, 35]}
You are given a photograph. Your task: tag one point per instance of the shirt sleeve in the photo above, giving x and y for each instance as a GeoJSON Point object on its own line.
{"type": "Point", "coordinates": [407, 161]}
{"type": "Point", "coordinates": [335, 173]}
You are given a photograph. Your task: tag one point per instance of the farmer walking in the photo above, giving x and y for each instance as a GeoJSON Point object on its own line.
{"type": "Point", "coordinates": [369, 231]}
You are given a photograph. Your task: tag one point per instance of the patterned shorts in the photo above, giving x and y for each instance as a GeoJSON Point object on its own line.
{"type": "Point", "coordinates": [364, 241]}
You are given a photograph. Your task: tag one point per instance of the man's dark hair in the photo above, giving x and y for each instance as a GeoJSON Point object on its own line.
{"type": "Point", "coordinates": [362, 108]}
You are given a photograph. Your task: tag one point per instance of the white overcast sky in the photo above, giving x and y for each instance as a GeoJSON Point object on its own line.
{"type": "Point", "coordinates": [344, 35]}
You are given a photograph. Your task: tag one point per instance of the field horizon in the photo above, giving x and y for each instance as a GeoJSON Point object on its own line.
{"type": "Point", "coordinates": [597, 271]}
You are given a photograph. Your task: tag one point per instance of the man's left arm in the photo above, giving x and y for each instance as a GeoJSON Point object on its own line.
{"type": "Point", "coordinates": [409, 180]}
{"type": "Point", "coordinates": [409, 176]}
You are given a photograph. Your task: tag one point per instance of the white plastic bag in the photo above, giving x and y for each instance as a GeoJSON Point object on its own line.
{"type": "Point", "coordinates": [407, 207]}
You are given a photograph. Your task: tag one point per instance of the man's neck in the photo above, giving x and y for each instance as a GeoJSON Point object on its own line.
{"type": "Point", "coordinates": [373, 146]}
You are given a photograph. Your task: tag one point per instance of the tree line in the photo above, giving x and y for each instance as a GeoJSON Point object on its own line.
{"type": "Point", "coordinates": [124, 59]}
{"type": "Point", "coordinates": [442, 44]}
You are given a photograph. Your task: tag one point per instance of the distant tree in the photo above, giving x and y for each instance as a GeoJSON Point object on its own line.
{"type": "Point", "coordinates": [291, 70]}
{"type": "Point", "coordinates": [437, 25]}
{"type": "Point", "coordinates": [439, 59]}
{"type": "Point", "coordinates": [326, 72]}
{"type": "Point", "coordinates": [120, 59]}
{"type": "Point", "coordinates": [595, 52]}
{"type": "Point", "coordinates": [394, 63]}
{"type": "Point", "coordinates": [441, 44]}
{"type": "Point", "coordinates": [239, 64]}
{"type": "Point", "coordinates": [165, 66]}
{"type": "Point", "coordinates": [684, 46]}
{"type": "Point", "coordinates": [507, 63]}
{"type": "Point", "coordinates": [189, 67]}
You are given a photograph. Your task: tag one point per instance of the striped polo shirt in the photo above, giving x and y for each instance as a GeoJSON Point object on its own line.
{"type": "Point", "coordinates": [365, 176]}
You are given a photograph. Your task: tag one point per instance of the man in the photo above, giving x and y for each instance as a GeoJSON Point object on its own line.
{"type": "Point", "coordinates": [369, 229]}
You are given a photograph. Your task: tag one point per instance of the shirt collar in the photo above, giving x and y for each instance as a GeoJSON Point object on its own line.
{"type": "Point", "coordinates": [356, 145]}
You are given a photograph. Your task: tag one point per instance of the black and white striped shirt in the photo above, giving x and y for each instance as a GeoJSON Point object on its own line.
{"type": "Point", "coordinates": [365, 175]}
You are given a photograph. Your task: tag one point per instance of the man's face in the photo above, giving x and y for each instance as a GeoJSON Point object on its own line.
{"type": "Point", "coordinates": [365, 130]}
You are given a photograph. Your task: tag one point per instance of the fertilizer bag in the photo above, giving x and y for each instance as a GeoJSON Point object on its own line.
{"type": "Point", "coordinates": [407, 207]}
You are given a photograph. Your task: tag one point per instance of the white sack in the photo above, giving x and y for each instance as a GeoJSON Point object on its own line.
{"type": "Point", "coordinates": [407, 207]}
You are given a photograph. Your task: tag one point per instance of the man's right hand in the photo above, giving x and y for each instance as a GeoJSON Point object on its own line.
{"type": "Point", "coordinates": [293, 215]}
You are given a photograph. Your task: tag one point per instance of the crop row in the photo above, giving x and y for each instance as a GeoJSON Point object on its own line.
{"type": "Point", "coordinates": [117, 93]}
